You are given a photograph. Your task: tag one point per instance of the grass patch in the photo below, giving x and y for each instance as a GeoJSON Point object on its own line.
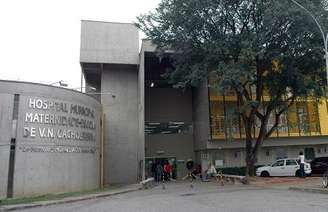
{"type": "Point", "coordinates": [48, 197]}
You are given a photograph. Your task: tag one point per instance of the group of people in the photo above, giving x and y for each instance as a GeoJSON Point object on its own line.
{"type": "Point", "coordinates": [162, 171]}
{"type": "Point", "coordinates": [208, 173]}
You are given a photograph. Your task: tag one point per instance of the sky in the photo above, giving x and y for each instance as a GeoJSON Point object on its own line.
{"type": "Point", "coordinates": [40, 39]}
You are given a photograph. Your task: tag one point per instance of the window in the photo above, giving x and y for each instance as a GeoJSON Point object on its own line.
{"type": "Point", "coordinates": [278, 163]}
{"type": "Point", "coordinates": [217, 118]}
{"type": "Point", "coordinates": [231, 121]}
{"type": "Point", "coordinates": [303, 122]}
{"type": "Point", "coordinates": [291, 163]}
{"type": "Point", "coordinates": [271, 122]}
{"type": "Point", "coordinates": [292, 121]}
{"type": "Point", "coordinates": [313, 118]}
{"type": "Point", "coordinates": [301, 119]}
{"type": "Point", "coordinates": [237, 154]}
{"type": "Point", "coordinates": [283, 125]}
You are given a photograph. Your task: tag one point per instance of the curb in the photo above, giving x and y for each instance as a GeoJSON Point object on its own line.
{"type": "Point", "coordinates": [66, 200]}
{"type": "Point", "coordinates": [309, 190]}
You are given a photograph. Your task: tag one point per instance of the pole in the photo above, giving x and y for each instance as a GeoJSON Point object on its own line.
{"type": "Point", "coordinates": [81, 81]}
{"type": "Point", "coordinates": [102, 150]}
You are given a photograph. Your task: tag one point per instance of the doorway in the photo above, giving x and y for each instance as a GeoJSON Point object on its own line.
{"type": "Point", "coordinates": [151, 162]}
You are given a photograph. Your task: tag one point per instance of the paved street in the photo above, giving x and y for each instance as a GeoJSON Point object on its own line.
{"type": "Point", "coordinates": [203, 197]}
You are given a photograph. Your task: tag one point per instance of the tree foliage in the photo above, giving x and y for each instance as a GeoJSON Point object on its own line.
{"type": "Point", "coordinates": [256, 48]}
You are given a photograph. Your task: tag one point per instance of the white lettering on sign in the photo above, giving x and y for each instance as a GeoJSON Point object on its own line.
{"type": "Point", "coordinates": [52, 119]}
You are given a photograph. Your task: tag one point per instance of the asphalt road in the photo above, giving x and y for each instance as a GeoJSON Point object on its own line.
{"type": "Point", "coordinates": [203, 197]}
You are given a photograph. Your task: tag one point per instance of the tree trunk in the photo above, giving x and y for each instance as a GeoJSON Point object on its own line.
{"type": "Point", "coordinates": [250, 164]}
{"type": "Point", "coordinates": [249, 148]}
{"type": "Point", "coordinates": [250, 167]}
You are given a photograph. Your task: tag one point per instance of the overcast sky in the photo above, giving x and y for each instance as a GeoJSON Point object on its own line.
{"type": "Point", "coordinates": [40, 39]}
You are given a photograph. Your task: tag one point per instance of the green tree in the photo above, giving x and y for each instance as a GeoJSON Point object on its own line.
{"type": "Point", "coordinates": [256, 48]}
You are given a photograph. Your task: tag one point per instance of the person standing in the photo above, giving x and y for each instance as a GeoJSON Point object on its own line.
{"type": "Point", "coordinates": [301, 158]}
{"type": "Point", "coordinates": [211, 171]}
{"type": "Point", "coordinates": [159, 172]}
{"type": "Point", "coordinates": [153, 170]}
{"type": "Point", "coordinates": [168, 170]}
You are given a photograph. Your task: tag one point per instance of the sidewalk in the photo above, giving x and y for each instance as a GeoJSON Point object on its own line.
{"type": "Point", "coordinates": [309, 184]}
{"type": "Point", "coordinates": [121, 190]}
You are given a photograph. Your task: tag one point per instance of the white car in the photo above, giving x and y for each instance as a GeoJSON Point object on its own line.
{"type": "Point", "coordinates": [283, 167]}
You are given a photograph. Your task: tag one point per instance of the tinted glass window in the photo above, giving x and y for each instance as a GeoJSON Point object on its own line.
{"type": "Point", "coordinates": [278, 163]}
{"type": "Point", "coordinates": [291, 163]}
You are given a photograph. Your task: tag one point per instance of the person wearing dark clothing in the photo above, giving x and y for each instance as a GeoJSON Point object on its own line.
{"type": "Point", "coordinates": [198, 171]}
{"type": "Point", "coordinates": [153, 170]}
{"type": "Point", "coordinates": [190, 167]}
{"type": "Point", "coordinates": [159, 172]}
{"type": "Point", "coordinates": [301, 158]}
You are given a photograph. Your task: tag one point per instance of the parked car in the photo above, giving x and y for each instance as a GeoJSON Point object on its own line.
{"type": "Point", "coordinates": [319, 165]}
{"type": "Point", "coordinates": [283, 167]}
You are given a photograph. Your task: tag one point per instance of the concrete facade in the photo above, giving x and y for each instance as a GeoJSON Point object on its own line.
{"type": "Point", "coordinates": [103, 42]}
{"type": "Point", "coordinates": [201, 119]}
{"type": "Point", "coordinates": [6, 120]}
{"type": "Point", "coordinates": [56, 139]}
{"type": "Point", "coordinates": [109, 59]}
{"type": "Point", "coordinates": [121, 141]}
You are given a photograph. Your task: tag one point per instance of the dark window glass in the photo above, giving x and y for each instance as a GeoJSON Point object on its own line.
{"type": "Point", "coordinates": [291, 163]}
{"type": "Point", "coordinates": [278, 163]}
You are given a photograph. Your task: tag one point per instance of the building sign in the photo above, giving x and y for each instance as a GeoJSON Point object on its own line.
{"type": "Point", "coordinates": [52, 120]}
{"type": "Point", "coordinates": [204, 156]}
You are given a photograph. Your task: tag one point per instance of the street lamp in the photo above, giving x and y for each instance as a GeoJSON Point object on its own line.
{"type": "Point", "coordinates": [61, 83]}
{"type": "Point", "coordinates": [101, 93]}
{"type": "Point", "coordinates": [324, 37]}
{"type": "Point", "coordinates": [92, 90]}
{"type": "Point", "coordinates": [86, 87]}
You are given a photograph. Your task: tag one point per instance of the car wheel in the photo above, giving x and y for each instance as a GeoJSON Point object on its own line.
{"type": "Point", "coordinates": [298, 173]}
{"type": "Point", "coordinates": [265, 174]}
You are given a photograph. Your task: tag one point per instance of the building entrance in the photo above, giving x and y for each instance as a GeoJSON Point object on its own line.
{"type": "Point", "coordinates": [152, 162]}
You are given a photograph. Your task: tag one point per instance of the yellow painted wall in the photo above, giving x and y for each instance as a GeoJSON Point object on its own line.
{"type": "Point", "coordinates": [217, 111]}
{"type": "Point", "coordinates": [323, 116]}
